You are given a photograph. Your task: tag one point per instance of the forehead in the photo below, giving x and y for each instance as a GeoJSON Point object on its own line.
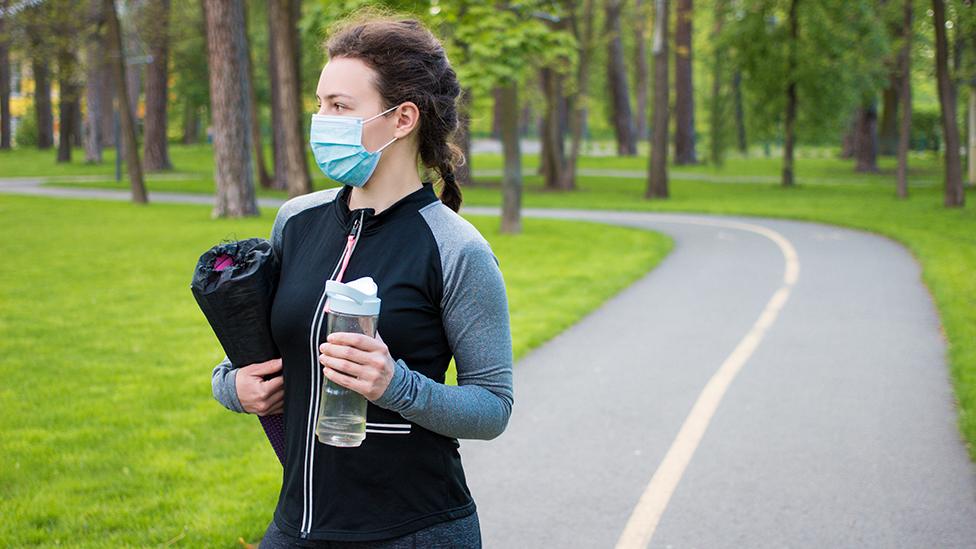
{"type": "Point", "coordinates": [349, 77]}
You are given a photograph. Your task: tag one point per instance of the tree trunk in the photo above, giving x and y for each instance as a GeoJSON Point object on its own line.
{"type": "Point", "coordinates": [291, 165]}
{"type": "Point", "coordinates": [740, 116]}
{"type": "Point", "coordinates": [115, 56]}
{"type": "Point", "coordinates": [866, 137]}
{"type": "Point", "coordinates": [94, 82]}
{"type": "Point", "coordinates": [640, 53]}
{"type": "Point", "coordinates": [954, 194]}
{"type": "Point", "coordinates": [227, 56]}
{"type": "Point", "coordinates": [718, 65]}
{"type": "Point", "coordinates": [888, 130]}
{"type": "Point", "coordinates": [156, 150]}
{"type": "Point", "coordinates": [790, 125]}
{"type": "Point", "coordinates": [684, 91]}
{"type": "Point", "coordinates": [905, 128]}
{"type": "Point", "coordinates": [106, 98]}
{"type": "Point", "coordinates": [67, 103]}
{"type": "Point", "coordinates": [580, 98]}
{"type": "Point", "coordinates": [511, 222]}
{"type": "Point", "coordinates": [42, 104]}
{"type": "Point", "coordinates": [553, 154]}
{"type": "Point", "coordinates": [264, 178]}
{"type": "Point", "coordinates": [623, 119]}
{"type": "Point", "coordinates": [5, 137]}
{"type": "Point", "coordinates": [191, 123]}
{"type": "Point", "coordinates": [657, 180]}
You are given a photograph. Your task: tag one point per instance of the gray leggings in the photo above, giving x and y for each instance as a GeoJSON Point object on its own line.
{"type": "Point", "coordinates": [462, 533]}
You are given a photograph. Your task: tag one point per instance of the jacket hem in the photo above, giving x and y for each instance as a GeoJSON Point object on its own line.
{"type": "Point", "coordinates": [398, 530]}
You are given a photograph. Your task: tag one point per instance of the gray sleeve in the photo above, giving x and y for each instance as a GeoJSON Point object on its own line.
{"type": "Point", "coordinates": [224, 384]}
{"type": "Point", "coordinates": [474, 311]}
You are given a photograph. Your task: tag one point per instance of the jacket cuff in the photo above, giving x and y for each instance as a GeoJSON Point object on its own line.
{"type": "Point", "coordinates": [393, 395]}
{"type": "Point", "coordinates": [225, 390]}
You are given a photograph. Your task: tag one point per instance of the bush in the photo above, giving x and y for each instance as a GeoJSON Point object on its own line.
{"type": "Point", "coordinates": [26, 135]}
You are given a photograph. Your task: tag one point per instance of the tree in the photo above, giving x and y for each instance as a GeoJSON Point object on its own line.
{"type": "Point", "coordinates": [717, 114]}
{"type": "Point", "coordinates": [579, 99]}
{"type": "Point", "coordinates": [804, 69]}
{"type": "Point", "coordinates": [42, 97]}
{"type": "Point", "coordinates": [190, 81]}
{"type": "Point", "coordinates": [95, 47]}
{"type": "Point", "coordinates": [264, 178]}
{"type": "Point", "coordinates": [4, 79]}
{"type": "Point", "coordinates": [684, 91]}
{"type": "Point", "coordinates": [657, 179]}
{"type": "Point", "coordinates": [68, 105]}
{"type": "Point", "coordinates": [866, 136]}
{"type": "Point", "coordinates": [290, 166]}
{"type": "Point", "coordinates": [117, 58]}
{"type": "Point", "coordinates": [512, 178]}
{"type": "Point", "coordinates": [623, 119]}
{"type": "Point", "coordinates": [226, 53]}
{"type": "Point", "coordinates": [500, 67]}
{"type": "Point", "coordinates": [641, 23]}
{"type": "Point", "coordinates": [155, 29]}
{"type": "Point", "coordinates": [905, 97]}
{"type": "Point", "coordinates": [557, 172]}
{"type": "Point", "coordinates": [954, 194]}
{"type": "Point", "coordinates": [791, 97]}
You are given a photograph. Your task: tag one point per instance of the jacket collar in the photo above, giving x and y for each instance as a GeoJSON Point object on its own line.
{"type": "Point", "coordinates": [373, 221]}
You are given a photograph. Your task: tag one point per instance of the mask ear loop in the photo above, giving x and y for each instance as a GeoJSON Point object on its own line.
{"type": "Point", "coordinates": [380, 114]}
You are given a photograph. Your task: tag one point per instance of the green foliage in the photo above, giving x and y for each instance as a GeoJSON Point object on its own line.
{"type": "Point", "coordinates": [493, 46]}
{"type": "Point", "coordinates": [840, 54]}
{"type": "Point", "coordinates": [926, 129]}
{"type": "Point", "coordinates": [26, 134]}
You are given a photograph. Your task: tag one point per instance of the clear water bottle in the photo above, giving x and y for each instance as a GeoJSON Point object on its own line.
{"type": "Point", "coordinates": [352, 307]}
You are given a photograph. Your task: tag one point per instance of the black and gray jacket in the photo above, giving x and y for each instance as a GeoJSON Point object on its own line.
{"type": "Point", "coordinates": [442, 295]}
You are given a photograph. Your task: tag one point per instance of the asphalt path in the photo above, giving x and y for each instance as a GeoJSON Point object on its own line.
{"type": "Point", "coordinates": [771, 383]}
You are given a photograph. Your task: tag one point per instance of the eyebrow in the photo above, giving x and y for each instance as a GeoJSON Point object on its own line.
{"type": "Point", "coordinates": [333, 95]}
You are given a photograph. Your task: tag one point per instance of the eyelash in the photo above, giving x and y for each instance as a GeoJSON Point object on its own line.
{"type": "Point", "coordinates": [337, 105]}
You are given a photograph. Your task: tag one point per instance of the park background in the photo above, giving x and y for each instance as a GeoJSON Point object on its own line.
{"type": "Point", "coordinates": [762, 107]}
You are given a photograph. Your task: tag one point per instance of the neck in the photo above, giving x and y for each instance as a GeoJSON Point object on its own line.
{"type": "Point", "coordinates": [386, 186]}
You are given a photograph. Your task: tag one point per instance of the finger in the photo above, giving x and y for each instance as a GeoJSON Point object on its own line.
{"type": "Point", "coordinates": [359, 341]}
{"type": "Point", "coordinates": [275, 399]}
{"type": "Point", "coordinates": [346, 352]}
{"type": "Point", "coordinates": [341, 365]}
{"type": "Point", "coordinates": [265, 368]}
{"type": "Point", "coordinates": [348, 382]}
{"type": "Point", "coordinates": [274, 385]}
{"type": "Point", "coordinates": [276, 409]}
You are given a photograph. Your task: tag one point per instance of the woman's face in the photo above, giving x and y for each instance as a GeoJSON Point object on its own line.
{"type": "Point", "coordinates": [346, 89]}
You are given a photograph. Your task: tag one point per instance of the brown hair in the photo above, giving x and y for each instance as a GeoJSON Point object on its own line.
{"type": "Point", "coordinates": [411, 65]}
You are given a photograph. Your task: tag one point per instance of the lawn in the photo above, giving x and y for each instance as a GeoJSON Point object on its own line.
{"type": "Point", "coordinates": [828, 191]}
{"type": "Point", "coordinates": [111, 437]}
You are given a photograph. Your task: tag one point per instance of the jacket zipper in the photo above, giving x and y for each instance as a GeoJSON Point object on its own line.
{"type": "Point", "coordinates": [314, 395]}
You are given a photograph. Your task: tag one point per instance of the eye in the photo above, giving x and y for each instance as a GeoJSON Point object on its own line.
{"type": "Point", "coordinates": [339, 106]}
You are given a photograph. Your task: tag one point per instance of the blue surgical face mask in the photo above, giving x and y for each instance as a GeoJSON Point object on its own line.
{"type": "Point", "coordinates": [337, 143]}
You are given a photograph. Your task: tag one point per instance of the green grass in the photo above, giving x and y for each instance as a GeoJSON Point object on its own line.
{"type": "Point", "coordinates": [111, 437]}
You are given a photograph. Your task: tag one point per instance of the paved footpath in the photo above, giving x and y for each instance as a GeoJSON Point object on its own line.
{"type": "Point", "coordinates": [771, 383]}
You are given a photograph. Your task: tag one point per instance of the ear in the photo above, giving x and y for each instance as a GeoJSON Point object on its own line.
{"type": "Point", "coordinates": [407, 119]}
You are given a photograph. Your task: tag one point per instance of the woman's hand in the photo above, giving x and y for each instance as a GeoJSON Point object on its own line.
{"type": "Point", "coordinates": [260, 396]}
{"type": "Point", "coordinates": [357, 362]}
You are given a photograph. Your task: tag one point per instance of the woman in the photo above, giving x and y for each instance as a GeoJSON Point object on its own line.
{"type": "Point", "coordinates": [442, 295]}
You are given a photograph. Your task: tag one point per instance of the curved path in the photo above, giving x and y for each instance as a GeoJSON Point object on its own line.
{"type": "Point", "coordinates": [771, 383]}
